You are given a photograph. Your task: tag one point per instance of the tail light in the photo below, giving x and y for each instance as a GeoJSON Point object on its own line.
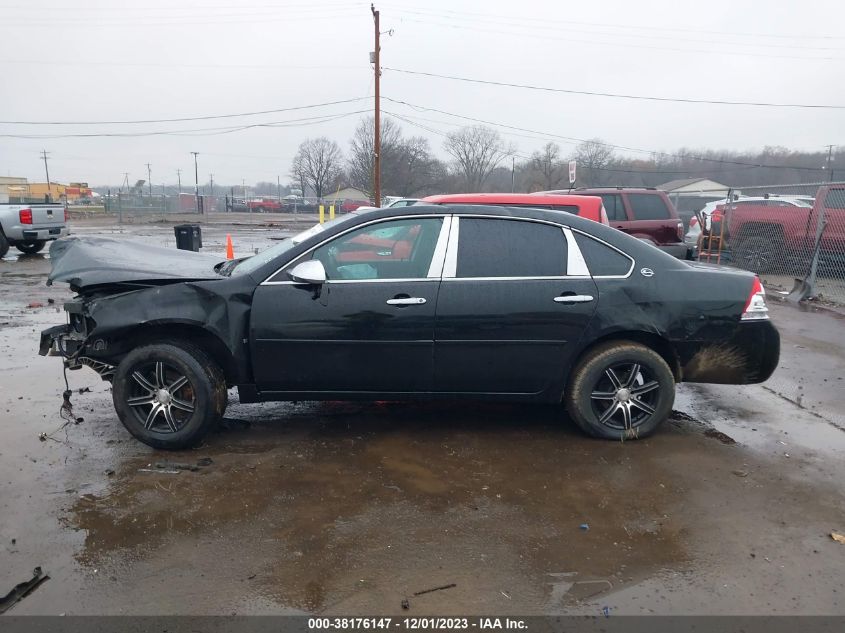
{"type": "Point", "coordinates": [693, 221]}
{"type": "Point", "coordinates": [604, 219]}
{"type": "Point", "coordinates": [67, 215]}
{"type": "Point", "coordinates": [717, 216]}
{"type": "Point", "coordinates": [680, 230]}
{"type": "Point", "coordinates": [25, 216]}
{"type": "Point", "coordinates": [755, 306]}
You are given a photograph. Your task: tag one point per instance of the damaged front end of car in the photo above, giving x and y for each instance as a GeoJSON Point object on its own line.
{"type": "Point", "coordinates": [128, 292]}
{"type": "Point", "coordinates": [71, 341]}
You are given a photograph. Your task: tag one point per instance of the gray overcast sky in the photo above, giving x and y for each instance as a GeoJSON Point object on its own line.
{"type": "Point", "coordinates": [82, 60]}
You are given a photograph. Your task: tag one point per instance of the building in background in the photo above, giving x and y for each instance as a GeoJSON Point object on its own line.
{"type": "Point", "coordinates": [12, 187]}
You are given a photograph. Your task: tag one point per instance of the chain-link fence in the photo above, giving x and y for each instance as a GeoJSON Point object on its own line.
{"type": "Point", "coordinates": [793, 236]}
{"type": "Point", "coordinates": [131, 205]}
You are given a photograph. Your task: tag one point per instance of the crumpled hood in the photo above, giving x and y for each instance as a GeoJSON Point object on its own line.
{"type": "Point", "coordinates": [84, 262]}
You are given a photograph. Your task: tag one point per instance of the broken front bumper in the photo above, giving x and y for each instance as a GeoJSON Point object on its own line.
{"type": "Point", "coordinates": [64, 341]}
{"type": "Point", "coordinates": [60, 340]}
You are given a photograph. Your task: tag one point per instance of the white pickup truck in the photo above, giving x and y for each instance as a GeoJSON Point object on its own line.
{"type": "Point", "coordinates": [28, 227]}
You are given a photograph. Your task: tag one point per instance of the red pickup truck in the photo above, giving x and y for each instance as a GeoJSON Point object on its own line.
{"type": "Point", "coordinates": [764, 235]}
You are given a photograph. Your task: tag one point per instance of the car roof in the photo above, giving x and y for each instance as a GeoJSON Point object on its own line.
{"type": "Point", "coordinates": [581, 191]}
{"type": "Point", "coordinates": [505, 198]}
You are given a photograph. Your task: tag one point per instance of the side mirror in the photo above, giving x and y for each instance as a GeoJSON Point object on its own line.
{"type": "Point", "coordinates": [309, 272]}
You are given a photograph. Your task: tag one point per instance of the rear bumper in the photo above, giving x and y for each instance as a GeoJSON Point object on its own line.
{"type": "Point", "coordinates": [21, 234]}
{"type": "Point", "coordinates": [750, 356]}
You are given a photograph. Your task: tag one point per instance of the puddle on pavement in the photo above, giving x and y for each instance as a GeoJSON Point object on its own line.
{"type": "Point", "coordinates": [340, 496]}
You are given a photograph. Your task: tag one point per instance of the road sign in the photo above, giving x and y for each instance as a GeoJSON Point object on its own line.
{"type": "Point", "coordinates": [572, 172]}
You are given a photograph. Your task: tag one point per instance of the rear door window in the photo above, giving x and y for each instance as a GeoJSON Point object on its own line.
{"type": "Point", "coordinates": [602, 260]}
{"type": "Point", "coordinates": [646, 206]}
{"type": "Point", "coordinates": [614, 207]}
{"type": "Point", "coordinates": [510, 248]}
{"type": "Point", "coordinates": [835, 199]}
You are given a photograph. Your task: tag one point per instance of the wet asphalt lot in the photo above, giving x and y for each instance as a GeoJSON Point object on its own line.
{"type": "Point", "coordinates": [351, 508]}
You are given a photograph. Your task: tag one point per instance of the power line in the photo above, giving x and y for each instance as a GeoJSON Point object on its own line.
{"type": "Point", "coordinates": [627, 27]}
{"type": "Point", "coordinates": [574, 140]}
{"type": "Point", "coordinates": [541, 24]}
{"type": "Point", "coordinates": [614, 95]}
{"type": "Point", "coordinates": [531, 35]}
{"type": "Point", "coordinates": [192, 118]}
{"type": "Point", "coordinates": [214, 131]}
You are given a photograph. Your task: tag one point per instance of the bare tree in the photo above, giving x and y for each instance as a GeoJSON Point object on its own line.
{"type": "Point", "coordinates": [593, 158]}
{"type": "Point", "coordinates": [547, 166]}
{"type": "Point", "coordinates": [317, 164]}
{"type": "Point", "coordinates": [477, 150]}
{"type": "Point", "coordinates": [419, 170]}
{"type": "Point", "coordinates": [362, 154]}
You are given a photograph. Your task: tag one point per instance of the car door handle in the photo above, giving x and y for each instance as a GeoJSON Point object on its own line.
{"type": "Point", "coordinates": [574, 299]}
{"type": "Point", "coordinates": [406, 301]}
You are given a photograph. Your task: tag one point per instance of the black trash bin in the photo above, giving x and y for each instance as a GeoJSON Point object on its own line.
{"type": "Point", "coordinates": [188, 237]}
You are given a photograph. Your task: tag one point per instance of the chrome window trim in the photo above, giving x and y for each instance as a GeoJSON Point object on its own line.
{"type": "Point", "coordinates": [450, 262]}
{"type": "Point", "coordinates": [267, 281]}
{"type": "Point", "coordinates": [576, 266]}
{"type": "Point", "coordinates": [609, 245]}
{"type": "Point", "coordinates": [559, 278]}
{"type": "Point", "coordinates": [575, 259]}
{"type": "Point", "coordinates": [329, 282]}
{"type": "Point", "coordinates": [438, 258]}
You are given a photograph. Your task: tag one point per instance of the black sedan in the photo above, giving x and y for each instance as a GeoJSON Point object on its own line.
{"type": "Point", "coordinates": [405, 303]}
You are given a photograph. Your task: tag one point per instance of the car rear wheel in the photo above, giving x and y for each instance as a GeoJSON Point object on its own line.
{"type": "Point", "coordinates": [4, 245]}
{"type": "Point", "coordinates": [620, 390]}
{"type": "Point", "coordinates": [169, 394]}
{"type": "Point", "coordinates": [30, 248]}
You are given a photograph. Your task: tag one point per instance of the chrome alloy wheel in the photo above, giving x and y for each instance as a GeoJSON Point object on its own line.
{"type": "Point", "coordinates": [625, 396]}
{"type": "Point", "coordinates": [160, 397]}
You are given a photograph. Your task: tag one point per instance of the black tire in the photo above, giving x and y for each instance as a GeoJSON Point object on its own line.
{"type": "Point", "coordinates": [759, 253]}
{"type": "Point", "coordinates": [4, 245]}
{"type": "Point", "coordinates": [30, 248]}
{"type": "Point", "coordinates": [184, 416]}
{"type": "Point", "coordinates": [623, 376]}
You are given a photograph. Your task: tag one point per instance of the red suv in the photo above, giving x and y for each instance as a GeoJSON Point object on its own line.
{"type": "Point", "coordinates": [647, 214]}
{"type": "Point", "coordinates": [583, 206]}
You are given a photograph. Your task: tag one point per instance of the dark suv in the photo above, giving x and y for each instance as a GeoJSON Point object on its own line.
{"type": "Point", "coordinates": [647, 214]}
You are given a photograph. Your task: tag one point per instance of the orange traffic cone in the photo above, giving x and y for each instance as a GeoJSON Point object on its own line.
{"type": "Point", "coordinates": [230, 251]}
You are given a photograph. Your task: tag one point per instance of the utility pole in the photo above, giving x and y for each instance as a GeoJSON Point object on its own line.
{"type": "Point", "coordinates": [125, 182]}
{"type": "Point", "coordinates": [279, 188]}
{"type": "Point", "coordinates": [829, 163]}
{"type": "Point", "coordinates": [47, 171]}
{"type": "Point", "coordinates": [197, 183]}
{"type": "Point", "coordinates": [211, 180]}
{"type": "Point", "coordinates": [179, 178]}
{"type": "Point", "coordinates": [513, 174]}
{"type": "Point", "coordinates": [376, 60]}
{"type": "Point", "coordinates": [150, 180]}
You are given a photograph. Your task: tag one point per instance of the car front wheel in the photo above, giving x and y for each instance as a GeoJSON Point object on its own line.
{"type": "Point", "coordinates": [620, 390]}
{"type": "Point", "coordinates": [169, 394]}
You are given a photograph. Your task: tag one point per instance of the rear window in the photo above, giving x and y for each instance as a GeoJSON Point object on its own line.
{"type": "Point", "coordinates": [602, 260]}
{"type": "Point", "coordinates": [835, 199]}
{"type": "Point", "coordinates": [614, 207]}
{"type": "Point", "coordinates": [646, 206]}
{"type": "Point", "coordinates": [510, 248]}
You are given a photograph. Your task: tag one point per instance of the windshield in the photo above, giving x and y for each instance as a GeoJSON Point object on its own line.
{"type": "Point", "coordinates": [250, 264]}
